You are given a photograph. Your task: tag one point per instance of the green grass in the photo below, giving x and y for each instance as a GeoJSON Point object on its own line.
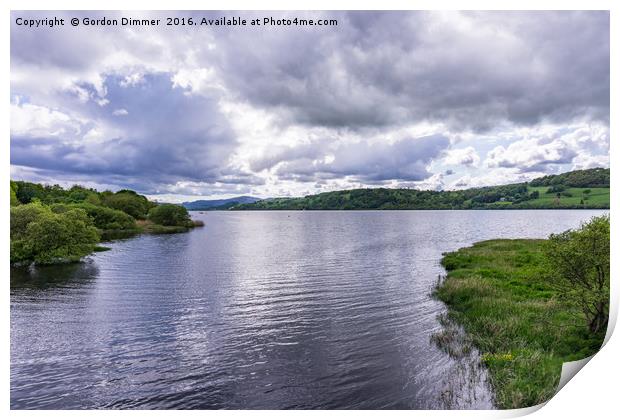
{"type": "Point", "coordinates": [100, 248]}
{"type": "Point", "coordinates": [494, 290]}
{"type": "Point", "coordinates": [598, 197]}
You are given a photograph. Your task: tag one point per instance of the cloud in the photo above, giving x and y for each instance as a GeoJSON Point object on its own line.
{"type": "Point", "coordinates": [467, 156]}
{"type": "Point", "coordinates": [531, 154]}
{"type": "Point", "coordinates": [406, 159]}
{"type": "Point", "coordinates": [182, 138]}
{"type": "Point", "coordinates": [39, 121]}
{"type": "Point", "coordinates": [547, 147]}
{"type": "Point", "coordinates": [371, 101]}
{"type": "Point", "coordinates": [497, 176]}
{"type": "Point", "coordinates": [468, 70]}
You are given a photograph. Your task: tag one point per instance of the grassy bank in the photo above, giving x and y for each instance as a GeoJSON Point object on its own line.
{"type": "Point", "coordinates": [146, 226]}
{"type": "Point", "coordinates": [524, 332]}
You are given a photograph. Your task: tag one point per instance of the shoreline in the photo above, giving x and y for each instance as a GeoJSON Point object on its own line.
{"type": "Point", "coordinates": [358, 210]}
{"type": "Point", "coordinates": [492, 290]}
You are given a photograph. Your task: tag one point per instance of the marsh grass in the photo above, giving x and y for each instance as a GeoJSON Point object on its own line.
{"type": "Point", "coordinates": [100, 248]}
{"type": "Point", "coordinates": [146, 226]}
{"type": "Point", "coordinates": [495, 291]}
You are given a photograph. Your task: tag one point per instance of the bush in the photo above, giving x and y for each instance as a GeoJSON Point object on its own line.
{"type": "Point", "coordinates": [28, 191]}
{"type": "Point", "coordinates": [22, 216]}
{"type": "Point", "coordinates": [170, 215]}
{"type": "Point", "coordinates": [128, 201]}
{"type": "Point", "coordinates": [108, 219]}
{"type": "Point", "coordinates": [578, 268]}
{"type": "Point", "coordinates": [14, 200]}
{"type": "Point", "coordinates": [39, 235]}
{"type": "Point", "coordinates": [556, 189]}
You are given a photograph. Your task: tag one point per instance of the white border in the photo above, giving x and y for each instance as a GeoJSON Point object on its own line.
{"type": "Point", "coordinates": [592, 393]}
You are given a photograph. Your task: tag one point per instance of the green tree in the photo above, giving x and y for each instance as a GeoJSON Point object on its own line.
{"type": "Point", "coordinates": [39, 235]}
{"type": "Point", "coordinates": [27, 191]}
{"type": "Point", "coordinates": [128, 201]}
{"type": "Point", "coordinates": [104, 218]}
{"type": "Point", "coordinates": [22, 216]}
{"type": "Point", "coordinates": [14, 200]}
{"type": "Point", "coordinates": [170, 215]}
{"type": "Point", "coordinates": [578, 268]}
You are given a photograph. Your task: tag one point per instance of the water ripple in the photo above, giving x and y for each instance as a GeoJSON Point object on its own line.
{"type": "Point", "coordinates": [255, 310]}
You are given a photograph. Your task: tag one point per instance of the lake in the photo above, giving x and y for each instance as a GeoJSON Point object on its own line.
{"type": "Point", "coordinates": [325, 309]}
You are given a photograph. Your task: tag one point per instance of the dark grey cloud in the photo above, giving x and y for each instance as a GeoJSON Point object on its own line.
{"type": "Point", "coordinates": [471, 71]}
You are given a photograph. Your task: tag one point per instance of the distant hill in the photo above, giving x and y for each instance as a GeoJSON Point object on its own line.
{"type": "Point", "coordinates": [219, 204]}
{"type": "Point", "coordinates": [593, 178]}
{"type": "Point", "coordinates": [581, 189]}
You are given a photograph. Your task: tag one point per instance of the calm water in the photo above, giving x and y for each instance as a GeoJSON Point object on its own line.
{"type": "Point", "coordinates": [256, 310]}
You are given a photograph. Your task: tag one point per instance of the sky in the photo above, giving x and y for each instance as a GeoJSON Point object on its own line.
{"type": "Point", "coordinates": [425, 100]}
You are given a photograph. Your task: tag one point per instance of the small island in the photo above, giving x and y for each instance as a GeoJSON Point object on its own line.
{"type": "Point", "coordinates": [52, 225]}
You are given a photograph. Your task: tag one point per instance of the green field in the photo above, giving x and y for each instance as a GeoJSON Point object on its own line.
{"type": "Point", "coordinates": [494, 290]}
{"type": "Point", "coordinates": [595, 198]}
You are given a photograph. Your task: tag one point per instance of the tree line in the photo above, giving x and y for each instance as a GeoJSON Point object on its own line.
{"type": "Point", "coordinates": [515, 196]}
{"type": "Point", "coordinates": [51, 224]}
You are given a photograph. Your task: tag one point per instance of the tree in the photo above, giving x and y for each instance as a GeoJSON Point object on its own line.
{"type": "Point", "coordinates": [39, 235]}
{"type": "Point", "coordinates": [27, 191]}
{"type": "Point", "coordinates": [22, 216]}
{"type": "Point", "coordinates": [556, 189]}
{"type": "Point", "coordinates": [128, 201]}
{"type": "Point", "coordinates": [14, 200]}
{"type": "Point", "coordinates": [104, 218]}
{"type": "Point", "coordinates": [170, 215]}
{"type": "Point", "coordinates": [578, 268]}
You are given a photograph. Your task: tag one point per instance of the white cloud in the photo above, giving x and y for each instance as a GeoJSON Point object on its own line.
{"type": "Point", "coordinates": [132, 79]}
{"type": "Point", "coordinates": [545, 145]}
{"type": "Point", "coordinates": [497, 176]}
{"type": "Point", "coordinates": [39, 121]}
{"type": "Point", "coordinates": [466, 156]}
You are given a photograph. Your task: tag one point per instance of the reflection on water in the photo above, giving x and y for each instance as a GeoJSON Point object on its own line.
{"type": "Point", "coordinates": [256, 310]}
{"type": "Point", "coordinates": [54, 276]}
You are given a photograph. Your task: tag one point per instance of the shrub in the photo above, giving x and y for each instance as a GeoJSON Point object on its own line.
{"type": "Point", "coordinates": [578, 268]}
{"type": "Point", "coordinates": [22, 216]}
{"type": "Point", "coordinates": [128, 201]}
{"type": "Point", "coordinates": [556, 189]}
{"type": "Point", "coordinates": [27, 191]}
{"type": "Point", "coordinates": [14, 200]}
{"type": "Point", "coordinates": [170, 215]}
{"type": "Point", "coordinates": [39, 235]}
{"type": "Point", "coordinates": [104, 218]}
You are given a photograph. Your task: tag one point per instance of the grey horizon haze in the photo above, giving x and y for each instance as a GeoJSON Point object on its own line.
{"type": "Point", "coordinates": [429, 100]}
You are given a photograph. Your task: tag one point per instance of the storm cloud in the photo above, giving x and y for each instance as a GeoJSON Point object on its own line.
{"type": "Point", "coordinates": [449, 99]}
